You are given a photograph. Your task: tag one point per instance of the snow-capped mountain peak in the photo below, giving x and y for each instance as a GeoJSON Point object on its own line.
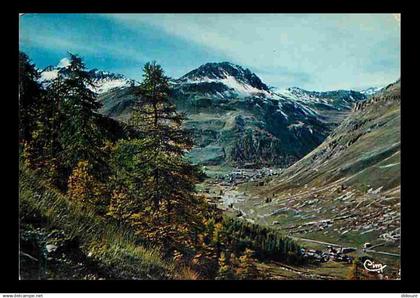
{"type": "Point", "coordinates": [235, 78]}
{"type": "Point", "coordinates": [103, 80]}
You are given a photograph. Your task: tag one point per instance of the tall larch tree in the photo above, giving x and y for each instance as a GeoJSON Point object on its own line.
{"type": "Point", "coordinates": [166, 141]}
{"type": "Point", "coordinates": [80, 135]}
{"type": "Point", "coordinates": [29, 97]}
{"type": "Point", "coordinates": [46, 137]}
{"type": "Point", "coordinates": [170, 178]}
{"type": "Point", "coordinates": [37, 112]}
{"type": "Point", "coordinates": [154, 164]}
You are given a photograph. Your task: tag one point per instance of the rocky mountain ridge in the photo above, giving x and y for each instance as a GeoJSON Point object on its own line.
{"type": "Point", "coordinates": [235, 117]}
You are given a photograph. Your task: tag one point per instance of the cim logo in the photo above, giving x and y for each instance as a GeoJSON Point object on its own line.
{"type": "Point", "coordinates": [373, 267]}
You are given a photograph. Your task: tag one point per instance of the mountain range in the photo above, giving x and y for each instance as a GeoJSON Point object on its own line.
{"type": "Point", "coordinates": [235, 117]}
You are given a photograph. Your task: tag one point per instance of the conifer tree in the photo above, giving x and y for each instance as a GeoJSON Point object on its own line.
{"type": "Point", "coordinates": [46, 135]}
{"type": "Point", "coordinates": [354, 273]}
{"type": "Point", "coordinates": [81, 137]}
{"type": "Point", "coordinates": [153, 170]}
{"type": "Point", "coordinates": [29, 97]}
{"type": "Point", "coordinates": [155, 116]}
{"type": "Point", "coordinates": [225, 269]}
{"type": "Point", "coordinates": [37, 116]}
{"type": "Point", "coordinates": [247, 268]}
{"type": "Point", "coordinates": [85, 189]}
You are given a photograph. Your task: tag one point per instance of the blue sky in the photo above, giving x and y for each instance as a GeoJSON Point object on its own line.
{"type": "Point", "coordinates": [311, 51]}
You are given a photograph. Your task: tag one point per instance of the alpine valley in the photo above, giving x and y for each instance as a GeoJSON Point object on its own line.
{"type": "Point", "coordinates": [320, 168]}
{"type": "Point", "coordinates": [234, 146]}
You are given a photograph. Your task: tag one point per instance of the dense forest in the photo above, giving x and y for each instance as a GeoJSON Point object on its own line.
{"type": "Point", "coordinates": [121, 196]}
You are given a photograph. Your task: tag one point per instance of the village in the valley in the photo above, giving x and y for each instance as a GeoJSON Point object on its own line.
{"type": "Point", "coordinates": [333, 223]}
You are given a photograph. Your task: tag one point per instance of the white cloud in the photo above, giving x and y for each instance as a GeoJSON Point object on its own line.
{"type": "Point", "coordinates": [334, 49]}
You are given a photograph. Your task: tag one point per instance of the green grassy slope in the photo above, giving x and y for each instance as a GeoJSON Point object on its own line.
{"type": "Point", "coordinates": [113, 249]}
{"type": "Point", "coordinates": [364, 149]}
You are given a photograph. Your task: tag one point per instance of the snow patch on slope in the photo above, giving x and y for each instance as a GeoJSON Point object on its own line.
{"type": "Point", "coordinates": [104, 85]}
{"type": "Point", "coordinates": [231, 82]}
{"type": "Point", "coordinates": [371, 90]}
{"type": "Point", "coordinates": [48, 75]}
{"type": "Point", "coordinates": [65, 62]}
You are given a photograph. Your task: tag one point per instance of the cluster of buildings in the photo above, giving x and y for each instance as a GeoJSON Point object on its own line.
{"type": "Point", "coordinates": [246, 175]}
{"type": "Point", "coordinates": [334, 254]}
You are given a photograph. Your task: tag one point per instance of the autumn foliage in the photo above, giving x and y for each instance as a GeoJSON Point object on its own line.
{"type": "Point", "coordinates": [139, 181]}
